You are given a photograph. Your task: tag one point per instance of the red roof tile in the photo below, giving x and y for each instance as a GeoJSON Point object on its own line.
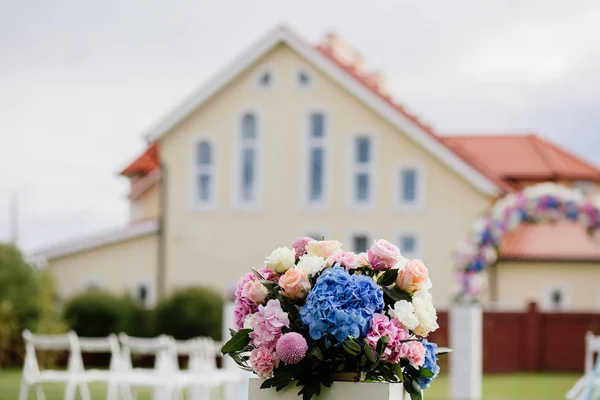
{"type": "Point", "coordinates": [145, 163]}
{"type": "Point", "coordinates": [518, 157]}
{"type": "Point", "coordinates": [564, 240]}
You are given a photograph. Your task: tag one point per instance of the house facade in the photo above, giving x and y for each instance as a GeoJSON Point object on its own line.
{"type": "Point", "coordinates": [295, 140]}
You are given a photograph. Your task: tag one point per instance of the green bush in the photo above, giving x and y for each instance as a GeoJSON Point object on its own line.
{"type": "Point", "coordinates": [189, 313]}
{"type": "Point", "coordinates": [134, 318]}
{"type": "Point", "coordinates": [95, 313]}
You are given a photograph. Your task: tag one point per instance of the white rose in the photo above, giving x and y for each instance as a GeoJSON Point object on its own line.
{"type": "Point", "coordinates": [281, 259]}
{"type": "Point", "coordinates": [404, 312]}
{"type": "Point", "coordinates": [425, 312]}
{"type": "Point", "coordinates": [249, 321]}
{"type": "Point", "coordinates": [401, 263]}
{"type": "Point", "coordinates": [311, 264]}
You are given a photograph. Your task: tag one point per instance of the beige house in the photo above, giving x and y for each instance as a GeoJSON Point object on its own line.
{"type": "Point", "coordinates": [293, 139]}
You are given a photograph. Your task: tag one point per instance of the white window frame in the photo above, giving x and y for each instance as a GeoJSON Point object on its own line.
{"type": "Point", "coordinates": [261, 71]}
{"type": "Point", "coordinates": [195, 203]}
{"type": "Point", "coordinates": [311, 76]}
{"type": "Point", "coordinates": [398, 184]}
{"type": "Point", "coordinates": [418, 235]}
{"type": "Point", "coordinates": [238, 202]}
{"type": "Point", "coordinates": [360, 232]}
{"type": "Point", "coordinates": [354, 168]}
{"type": "Point", "coordinates": [307, 143]}
{"type": "Point", "coordinates": [547, 292]}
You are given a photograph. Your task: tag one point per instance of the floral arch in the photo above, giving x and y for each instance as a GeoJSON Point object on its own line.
{"type": "Point", "coordinates": [539, 203]}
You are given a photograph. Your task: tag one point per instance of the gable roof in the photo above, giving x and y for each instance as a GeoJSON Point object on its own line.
{"type": "Point", "coordinates": [522, 157]}
{"type": "Point", "coordinates": [563, 240]}
{"type": "Point", "coordinates": [147, 162]}
{"type": "Point", "coordinates": [478, 175]}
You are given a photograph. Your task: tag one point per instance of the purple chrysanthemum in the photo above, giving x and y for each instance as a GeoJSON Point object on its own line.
{"type": "Point", "coordinates": [291, 348]}
{"type": "Point", "coordinates": [300, 245]}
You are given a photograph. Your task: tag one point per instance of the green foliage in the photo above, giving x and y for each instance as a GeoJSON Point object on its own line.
{"type": "Point", "coordinates": [95, 313]}
{"type": "Point", "coordinates": [191, 312]}
{"type": "Point", "coordinates": [135, 319]}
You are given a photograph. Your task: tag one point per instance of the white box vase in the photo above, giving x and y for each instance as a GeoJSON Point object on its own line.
{"type": "Point", "coordinates": [466, 359]}
{"type": "Point", "coordinates": [338, 391]}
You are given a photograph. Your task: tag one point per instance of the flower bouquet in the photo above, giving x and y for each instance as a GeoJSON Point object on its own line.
{"type": "Point", "coordinates": [315, 314]}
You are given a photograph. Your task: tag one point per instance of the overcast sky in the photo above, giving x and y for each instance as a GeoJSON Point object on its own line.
{"type": "Point", "coordinates": [80, 81]}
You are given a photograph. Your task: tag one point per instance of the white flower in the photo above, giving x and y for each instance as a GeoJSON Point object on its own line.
{"type": "Point", "coordinates": [311, 264]}
{"type": "Point", "coordinates": [425, 312]}
{"type": "Point", "coordinates": [249, 321]}
{"type": "Point", "coordinates": [404, 312]}
{"type": "Point", "coordinates": [401, 263]}
{"type": "Point", "coordinates": [281, 259]}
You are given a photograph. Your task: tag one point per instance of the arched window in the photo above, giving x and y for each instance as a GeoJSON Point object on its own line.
{"type": "Point", "coordinates": [204, 178]}
{"type": "Point", "coordinates": [248, 156]}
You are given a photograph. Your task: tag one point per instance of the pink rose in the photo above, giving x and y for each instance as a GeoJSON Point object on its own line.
{"type": "Point", "coordinates": [323, 248]}
{"type": "Point", "coordinates": [412, 276]}
{"type": "Point", "coordinates": [362, 260]}
{"type": "Point", "coordinates": [383, 326]}
{"type": "Point", "coordinates": [383, 255]}
{"type": "Point", "coordinates": [255, 291]}
{"type": "Point", "coordinates": [267, 273]}
{"type": "Point", "coordinates": [346, 259]}
{"type": "Point", "coordinates": [300, 245]}
{"type": "Point", "coordinates": [295, 283]}
{"type": "Point", "coordinates": [415, 353]}
{"type": "Point", "coordinates": [268, 321]}
{"type": "Point", "coordinates": [263, 362]}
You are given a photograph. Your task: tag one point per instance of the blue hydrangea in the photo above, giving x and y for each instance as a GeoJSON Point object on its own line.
{"type": "Point", "coordinates": [430, 363]}
{"type": "Point", "coordinates": [341, 305]}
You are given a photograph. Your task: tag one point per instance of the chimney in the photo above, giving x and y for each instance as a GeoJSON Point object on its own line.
{"type": "Point", "coordinates": [343, 51]}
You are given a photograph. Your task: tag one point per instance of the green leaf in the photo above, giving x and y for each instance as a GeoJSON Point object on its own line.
{"type": "Point", "coordinates": [351, 347]}
{"type": "Point", "coordinates": [412, 387]}
{"type": "Point", "coordinates": [425, 373]}
{"type": "Point", "coordinates": [396, 294]}
{"type": "Point", "coordinates": [238, 342]}
{"type": "Point", "coordinates": [388, 277]}
{"type": "Point", "coordinates": [317, 353]}
{"type": "Point", "coordinates": [370, 354]}
{"type": "Point", "coordinates": [397, 370]}
{"type": "Point", "coordinates": [350, 350]}
{"type": "Point", "coordinates": [381, 344]}
{"type": "Point", "coordinates": [232, 332]}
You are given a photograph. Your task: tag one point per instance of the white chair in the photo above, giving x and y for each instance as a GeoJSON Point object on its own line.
{"type": "Point", "coordinates": [112, 376]}
{"type": "Point", "coordinates": [161, 377]}
{"type": "Point", "coordinates": [34, 376]}
{"type": "Point", "coordinates": [202, 375]}
{"type": "Point", "coordinates": [588, 386]}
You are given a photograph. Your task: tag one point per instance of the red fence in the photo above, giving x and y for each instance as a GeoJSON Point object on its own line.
{"type": "Point", "coordinates": [530, 340]}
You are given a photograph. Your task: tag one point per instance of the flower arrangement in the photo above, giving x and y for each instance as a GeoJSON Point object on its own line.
{"type": "Point", "coordinates": [315, 312]}
{"type": "Point", "coordinates": [538, 203]}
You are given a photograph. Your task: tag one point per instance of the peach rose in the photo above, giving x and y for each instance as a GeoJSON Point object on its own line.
{"type": "Point", "coordinates": [412, 276]}
{"type": "Point", "coordinates": [383, 255]}
{"type": "Point", "coordinates": [255, 291]}
{"type": "Point", "coordinates": [295, 283]}
{"type": "Point", "coordinates": [323, 248]}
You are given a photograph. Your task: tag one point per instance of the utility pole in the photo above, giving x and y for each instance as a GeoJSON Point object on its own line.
{"type": "Point", "coordinates": [14, 218]}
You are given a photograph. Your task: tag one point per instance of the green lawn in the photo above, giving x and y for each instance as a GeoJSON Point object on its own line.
{"type": "Point", "coordinates": [495, 387]}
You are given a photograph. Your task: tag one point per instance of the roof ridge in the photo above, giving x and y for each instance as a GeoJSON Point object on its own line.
{"type": "Point", "coordinates": [486, 135]}
{"type": "Point", "coordinates": [573, 157]}
{"type": "Point", "coordinates": [534, 140]}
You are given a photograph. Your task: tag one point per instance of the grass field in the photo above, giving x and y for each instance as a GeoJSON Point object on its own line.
{"type": "Point", "coordinates": [495, 387]}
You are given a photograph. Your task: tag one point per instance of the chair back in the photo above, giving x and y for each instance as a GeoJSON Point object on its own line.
{"type": "Point", "coordinates": [108, 344]}
{"type": "Point", "coordinates": [592, 347]}
{"type": "Point", "coordinates": [202, 353]}
{"type": "Point", "coordinates": [35, 342]}
{"type": "Point", "coordinates": [160, 347]}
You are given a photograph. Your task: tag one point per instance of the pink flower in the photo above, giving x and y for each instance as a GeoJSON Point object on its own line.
{"type": "Point", "coordinates": [300, 245]}
{"type": "Point", "coordinates": [268, 322]}
{"type": "Point", "coordinates": [267, 273]}
{"type": "Point", "coordinates": [295, 283]}
{"type": "Point", "coordinates": [323, 248]}
{"type": "Point", "coordinates": [383, 326]}
{"type": "Point", "coordinates": [243, 305]}
{"type": "Point", "coordinates": [362, 260]}
{"type": "Point", "coordinates": [415, 353]}
{"type": "Point", "coordinates": [291, 348]}
{"type": "Point", "coordinates": [346, 259]}
{"type": "Point", "coordinates": [412, 276]}
{"type": "Point", "coordinates": [263, 361]}
{"type": "Point", "coordinates": [383, 255]}
{"type": "Point", "coordinates": [255, 291]}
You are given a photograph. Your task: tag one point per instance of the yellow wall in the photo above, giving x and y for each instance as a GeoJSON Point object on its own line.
{"type": "Point", "coordinates": [519, 282]}
{"type": "Point", "coordinates": [150, 202]}
{"type": "Point", "coordinates": [116, 267]}
{"type": "Point", "coordinates": [216, 247]}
